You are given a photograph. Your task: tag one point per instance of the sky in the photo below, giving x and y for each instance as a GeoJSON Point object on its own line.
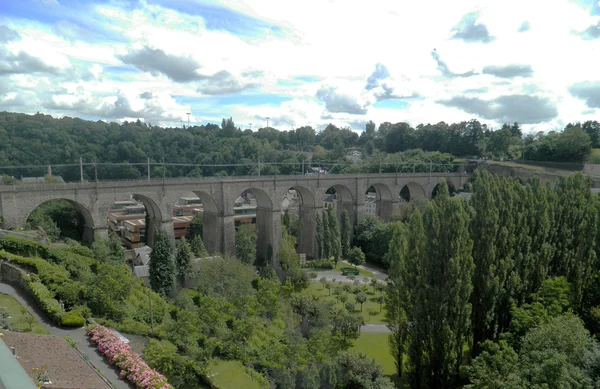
{"type": "Point", "coordinates": [309, 62]}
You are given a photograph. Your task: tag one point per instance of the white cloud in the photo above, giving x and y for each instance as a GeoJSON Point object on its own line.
{"type": "Point", "coordinates": [333, 65]}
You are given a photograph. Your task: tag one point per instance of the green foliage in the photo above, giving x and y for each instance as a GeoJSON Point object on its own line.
{"type": "Point", "coordinates": [554, 298]}
{"type": "Point", "coordinates": [346, 328]}
{"type": "Point", "coordinates": [108, 250]}
{"type": "Point", "coordinates": [320, 264]}
{"type": "Point", "coordinates": [286, 221]}
{"type": "Point", "coordinates": [21, 246]}
{"type": "Point", "coordinates": [196, 226]}
{"type": "Point", "coordinates": [373, 237]}
{"type": "Point", "coordinates": [197, 247]}
{"type": "Point", "coordinates": [59, 219]}
{"type": "Point", "coordinates": [356, 370]}
{"type": "Point", "coordinates": [557, 354]}
{"type": "Point", "coordinates": [327, 236]}
{"type": "Point", "coordinates": [335, 242]}
{"type": "Point", "coordinates": [72, 319]}
{"type": "Point", "coordinates": [346, 233]}
{"type": "Point", "coordinates": [246, 239]}
{"type": "Point", "coordinates": [183, 259]}
{"type": "Point", "coordinates": [225, 277]}
{"type": "Point", "coordinates": [162, 266]}
{"type": "Point", "coordinates": [356, 256]}
{"type": "Point", "coordinates": [432, 273]}
{"type": "Point", "coordinates": [320, 238]}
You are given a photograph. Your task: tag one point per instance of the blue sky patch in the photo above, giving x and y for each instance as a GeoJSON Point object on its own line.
{"type": "Point", "coordinates": [222, 19]}
{"type": "Point", "coordinates": [258, 99]}
{"type": "Point", "coordinates": [391, 104]}
{"type": "Point", "coordinates": [78, 13]}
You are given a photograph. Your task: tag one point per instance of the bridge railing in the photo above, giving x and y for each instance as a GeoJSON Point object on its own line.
{"type": "Point", "coordinates": [188, 180]}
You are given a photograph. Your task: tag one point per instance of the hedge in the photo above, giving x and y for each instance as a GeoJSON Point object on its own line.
{"type": "Point", "coordinates": [320, 264]}
{"type": "Point", "coordinates": [22, 246]}
{"type": "Point", "coordinates": [35, 283]}
{"type": "Point", "coordinates": [72, 319]}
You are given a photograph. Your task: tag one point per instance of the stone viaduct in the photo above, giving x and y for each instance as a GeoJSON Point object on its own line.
{"type": "Point", "coordinates": [218, 194]}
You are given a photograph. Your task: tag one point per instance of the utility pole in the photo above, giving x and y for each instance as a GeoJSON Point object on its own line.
{"type": "Point", "coordinates": [267, 122]}
{"type": "Point", "coordinates": [95, 171]}
{"type": "Point", "coordinates": [188, 113]}
{"type": "Point", "coordinates": [148, 169]}
{"type": "Point", "coordinates": [259, 167]}
{"type": "Point", "coordinates": [430, 168]}
{"type": "Point", "coordinates": [81, 168]}
{"type": "Point", "coordinates": [302, 166]}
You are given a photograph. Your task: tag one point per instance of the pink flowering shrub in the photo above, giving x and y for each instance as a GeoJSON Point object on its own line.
{"type": "Point", "coordinates": [132, 366]}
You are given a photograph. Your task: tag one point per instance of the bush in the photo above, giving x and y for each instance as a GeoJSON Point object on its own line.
{"type": "Point", "coordinates": [22, 246]}
{"type": "Point", "coordinates": [45, 299]}
{"type": "Point", "coordinates": [72, 319]}
{"type": "Point", "coordinates": [320, 264]}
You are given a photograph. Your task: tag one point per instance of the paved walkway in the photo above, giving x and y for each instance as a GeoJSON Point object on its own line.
{"type": "Point", "coordinates": [77, 334]}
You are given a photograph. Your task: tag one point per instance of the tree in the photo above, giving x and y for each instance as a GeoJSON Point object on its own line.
{"type": "Point", "coordinates": [327, 236]}
{"type": "Point", "coordinates": [361, 298]}
{"type": "Point", "coordinates": [346, 233]}
{"type": "Point", "coordinates": [357, 371]}
{"type": "Point", "coordinates": [373, 237]}
{"type": "Point", "coordinates": [320, 237]}
{"type": "Point", "coordinates": [196, 226]}
{"type": "Point", "coordinates": [557, 354]}
{"type": "Point", "coordinates": [434, 272]}
{"type": "Point", "coordinates": [286, 220]}
{"type": "Point", "coordinates": [345, 328]}
{"type": "Point", "coordinates": [372, 312]}
{"type": "Point", "coordinates": [197, 247]}
{"type": "Point", "coordinates": [356, 256]}
{"type": "Point", "coordinates": [183, 260]}
{"type": "Point", "coordinates": [328, 285]}
{"type": "Point", "coordinates": [335, 236]}
{"type": "Point", "coordinates": [162, 267]}
{"type": "Point", "coordinates": [245, 243]}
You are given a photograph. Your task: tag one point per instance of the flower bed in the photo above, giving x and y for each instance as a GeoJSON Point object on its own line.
{"type": "Point", "coordinates": [132, 366]}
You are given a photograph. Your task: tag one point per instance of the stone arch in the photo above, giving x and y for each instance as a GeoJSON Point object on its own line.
{"type": "Point", "coordinates": [87, 234]}
{"type": "Point", "coordinates": [268, 226]}
{"type": "Point", "coordinates": [344, 200]}
{"type": "Point", "coordinates": [306, 241]}
{"type": "Point", "coordinates": [411, 191]}
{"type": "Point", "coordinates": [383, 201]}
{"type": "Point", "coordinates": [451, 189]}
{"type": "Point", "coordinates": [154, 218]}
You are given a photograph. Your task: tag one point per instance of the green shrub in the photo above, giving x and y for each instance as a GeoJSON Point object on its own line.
{"type": "Point", "coordinates": [45, 299]}
{"type": "Point", "coordinates": [72, 319]}
{"type": "Point", "coordinates": [70, 293]}
{"type": "Point", "coordinates": [22, 246]}
{"type": "Point", "coordinates": [320, 264]}
{"type": "Point", "coordinates": [83, 310]}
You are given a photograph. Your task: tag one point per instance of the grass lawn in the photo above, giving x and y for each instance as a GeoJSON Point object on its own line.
{"type": "Point", "coordinates": [376, 347]}
{"type": "Point", "coordinates": [317, 289]}
{"type": "Point", "coordinates": [363, 272]}
{"type": "Point", "coordinates": [231, 375]}
{"type": "Point", "coordinates": [13, 308]}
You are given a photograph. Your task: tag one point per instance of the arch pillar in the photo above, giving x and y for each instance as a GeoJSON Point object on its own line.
{"type": "Point", "coordinates": [212, 232]}
{"type": "Point", "coordinates": [307, 237]}
{"type": "Point", "coordinates": [226, 225]}
{"type": "Point", "coordinates": [268, 224]}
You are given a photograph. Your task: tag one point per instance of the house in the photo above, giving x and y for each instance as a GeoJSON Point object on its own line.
{"type": "Point", "coordinates": [371, 204]}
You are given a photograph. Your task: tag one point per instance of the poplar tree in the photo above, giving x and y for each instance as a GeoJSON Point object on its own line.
{"type": "Point", "coordinates": [486, 278]}
{"type": "Point", "coordinates": [575, 220]}
{"type": "Point", "coordinates": [431, 286]}
{"type": "Point", "coordinates": [346, 233]}
{"type": "Point", "coordinates": [320, 236]}
{"type": "Point", "coordinates": [183, 259]}
{"type": "Point", "coordinates": [326, 235]}
{"type": "Point", "coordinates": [162, 267]}
{"type": "Point", "coordinates": [198, 248]}
{"type": "Point", "coordinates": [335, 235]}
